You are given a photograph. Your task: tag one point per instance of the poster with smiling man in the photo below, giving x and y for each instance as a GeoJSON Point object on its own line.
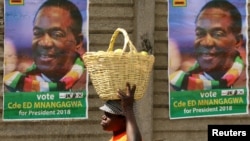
{"type": "Point", "coordinates": [208, 58]}
{"type": "Point", "coordinates": [44, 74]}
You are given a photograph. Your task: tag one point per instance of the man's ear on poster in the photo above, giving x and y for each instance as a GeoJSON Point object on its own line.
{"type": "Point", "coordinates": [80, 49]}
{"type": "Point", "coordinates": [239, 40]}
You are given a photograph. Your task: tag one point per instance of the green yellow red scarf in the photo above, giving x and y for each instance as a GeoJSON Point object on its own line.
{"type": "Point", "coordinates": [17, 81]}
{"type": "Point", "coordinates": [185, 81]}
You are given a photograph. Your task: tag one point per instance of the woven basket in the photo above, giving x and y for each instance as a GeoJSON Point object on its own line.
{"type": "Point", "coordinates": [110, 70]}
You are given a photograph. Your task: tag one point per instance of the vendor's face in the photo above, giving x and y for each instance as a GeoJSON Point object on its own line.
{"type": "Point", "coordinates": [53, 42]}
{"type": "Point", "coordinates": [111, 122]}
{"type": "Point", "coordinates": [215, 43]}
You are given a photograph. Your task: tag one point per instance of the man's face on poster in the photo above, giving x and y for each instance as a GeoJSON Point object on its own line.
{"type": "Point", "coordinates": [215, 43]}
{"type": "Point", "coordinates": [53, 43]}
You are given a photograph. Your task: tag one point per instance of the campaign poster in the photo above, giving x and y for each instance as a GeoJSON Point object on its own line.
{"type": "Point", "coordinates": [44, 74]}
{"type": "Point", "coordinates": [208, 58]}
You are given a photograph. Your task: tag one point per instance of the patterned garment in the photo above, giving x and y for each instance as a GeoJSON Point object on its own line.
{"type": "Point", "coordinates": [27, 82]}
{"type": "Point", "coordinates": [185, 81]}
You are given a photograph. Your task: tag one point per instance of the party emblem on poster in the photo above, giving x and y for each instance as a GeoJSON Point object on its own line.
{"type": "Point", "coordinates": [179, 3]}
{"type": "Point", "coordinates": [44, 74]}
{"type": "Point", "coordinates": [208, 58]}
{"type": "Point", "coordinates": [16, 2]}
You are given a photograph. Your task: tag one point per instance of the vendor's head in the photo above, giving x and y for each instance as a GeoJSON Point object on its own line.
{"type": "Point", "coordinates": [113, 118]}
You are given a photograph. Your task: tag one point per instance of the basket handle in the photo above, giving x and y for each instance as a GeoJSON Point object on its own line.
{"type": "Point", "coordinates": [127, 41]}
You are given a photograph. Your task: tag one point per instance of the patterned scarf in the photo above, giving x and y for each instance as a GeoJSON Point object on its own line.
{"type": "Point", "coordinates": [33, 82]}
{"type": "Point", "coordinates": [185, 81]}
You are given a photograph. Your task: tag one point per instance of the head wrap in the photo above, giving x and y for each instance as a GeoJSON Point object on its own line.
{"type": "Point", "coordinates": [113, 107]}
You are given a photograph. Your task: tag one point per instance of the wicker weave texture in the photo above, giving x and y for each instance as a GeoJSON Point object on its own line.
{"type": "Point", "coordinates": [110, 70]}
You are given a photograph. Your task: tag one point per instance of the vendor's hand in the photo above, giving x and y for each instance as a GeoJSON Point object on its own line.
{"type": "Point", "coordinates": [127, 97]}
